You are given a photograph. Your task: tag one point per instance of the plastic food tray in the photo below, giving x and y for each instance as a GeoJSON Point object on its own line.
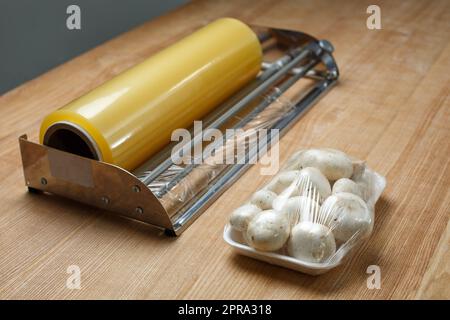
{"type": "Point", "coordinates": [236, 240]}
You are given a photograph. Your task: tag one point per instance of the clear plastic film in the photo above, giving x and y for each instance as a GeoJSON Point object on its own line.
{"type": "Point", "coordinates": [322, 204]}
{"type": "Point", "coordinates": [131, 117]}
{"type": "Point", "coordinates": [179, 184]}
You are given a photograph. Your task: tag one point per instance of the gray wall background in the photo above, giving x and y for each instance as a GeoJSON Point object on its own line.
{"type": "Point", "coordinates": [34, 37]}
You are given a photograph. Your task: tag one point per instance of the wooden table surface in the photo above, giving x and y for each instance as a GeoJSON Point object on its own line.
{"type": "Point", "coordinates": [390, 107]}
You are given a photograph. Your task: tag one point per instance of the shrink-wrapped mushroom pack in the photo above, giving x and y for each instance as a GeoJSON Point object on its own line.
{"type": "Point", "coordinates": [311, 214]}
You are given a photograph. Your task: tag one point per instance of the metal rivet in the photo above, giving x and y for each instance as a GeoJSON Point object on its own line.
{"type": "Point", "coordinates": [136, 188]}
{"type": "Point", "coordinates": [139, 210]}
{"type": "Point", "coordinates": [105, 200]}
{"type": "Point", "coordinates": [332, 74]}
{"type": "Point", "coordinates": [43, 181]}
{"type": "Point", "coordinates": [326, 45]}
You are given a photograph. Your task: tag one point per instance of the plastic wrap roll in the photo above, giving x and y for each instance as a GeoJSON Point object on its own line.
{"type": "Point", "coordinates": [132, 116]}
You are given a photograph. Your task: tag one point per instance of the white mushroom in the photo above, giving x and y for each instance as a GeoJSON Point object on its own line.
{"type": "Point", "coordinates": [347, 185]}
{"type": "Point", "coordinates": [263, 199]}
{"type": "Point", "coordinates": [241, 217]}
{"type": "Point", "coordinates": [348, 216]}
{"type": "Point", "coordinates": [292, 163]}
{"type": "Point", "coordinates": [334, 164]}
{"type": "Point", "coordinates": [268, 231]}
{"type": "Point", "coordinates": [311, 242]}
{"type": "Point", "coordinates": [318, 181]}
{"type": "Point", "coordinates": [297, 206]}
{"type": "Point", "coordinates": [283, 180]}
{"type": "Point", "coordinates": [359, 167]}
{"type": "Point", "coordinates": [364, 183]}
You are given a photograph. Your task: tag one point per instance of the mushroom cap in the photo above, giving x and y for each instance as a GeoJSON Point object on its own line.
{"type": "Point", "coordinates": [311, 242]}
{"type": "Point", "coordinates": [334, 164]}
{"type": "Point", "coordinates": [347, 185]}
{"type": "Point", "coordinates": [241, 217]}
{"type": "Point", "coordinates": [348, 216]}
{"type": "Point", "coordinates": [263, 198]}
{"type": "Point", "coordinates": [297, 207]}
{"type": "Point", "coordinates": [268, 231]}
{"type": "Point", "coordinates": [283, 180]}
{"type": "Point", "coordinates": [318, 180]}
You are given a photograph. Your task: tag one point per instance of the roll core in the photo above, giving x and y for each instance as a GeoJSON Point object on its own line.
{"type": "Point", "coordinates": [69, 137]}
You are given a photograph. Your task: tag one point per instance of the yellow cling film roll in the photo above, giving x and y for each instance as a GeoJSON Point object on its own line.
{"type": "Point", "coordinates": [131, 117]}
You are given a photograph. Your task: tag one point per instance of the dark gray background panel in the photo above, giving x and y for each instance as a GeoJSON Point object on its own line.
{"type": "Point", "coordinates": [34, 37]}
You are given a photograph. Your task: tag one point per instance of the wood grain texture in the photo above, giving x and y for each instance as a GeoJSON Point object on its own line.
{"type": "Point", "coordinates": [391, 107]}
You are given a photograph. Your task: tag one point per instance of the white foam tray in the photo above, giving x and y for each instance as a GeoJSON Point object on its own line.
{"type": "Point", "coordinates": [235, 239]}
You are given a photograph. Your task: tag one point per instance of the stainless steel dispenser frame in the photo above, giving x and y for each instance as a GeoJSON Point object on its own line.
{"type": "Point", "coordinates": [130, 194]}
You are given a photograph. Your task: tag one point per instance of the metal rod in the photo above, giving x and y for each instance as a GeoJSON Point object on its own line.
{"type": "Point", "coordinates": [301, 71]}
{"type": "Point", "coordinates": [273, 74]}
{"type": "Point", "coordinates": [163, 166]}
{"type": "Point", "coordinates": [236, 170]}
